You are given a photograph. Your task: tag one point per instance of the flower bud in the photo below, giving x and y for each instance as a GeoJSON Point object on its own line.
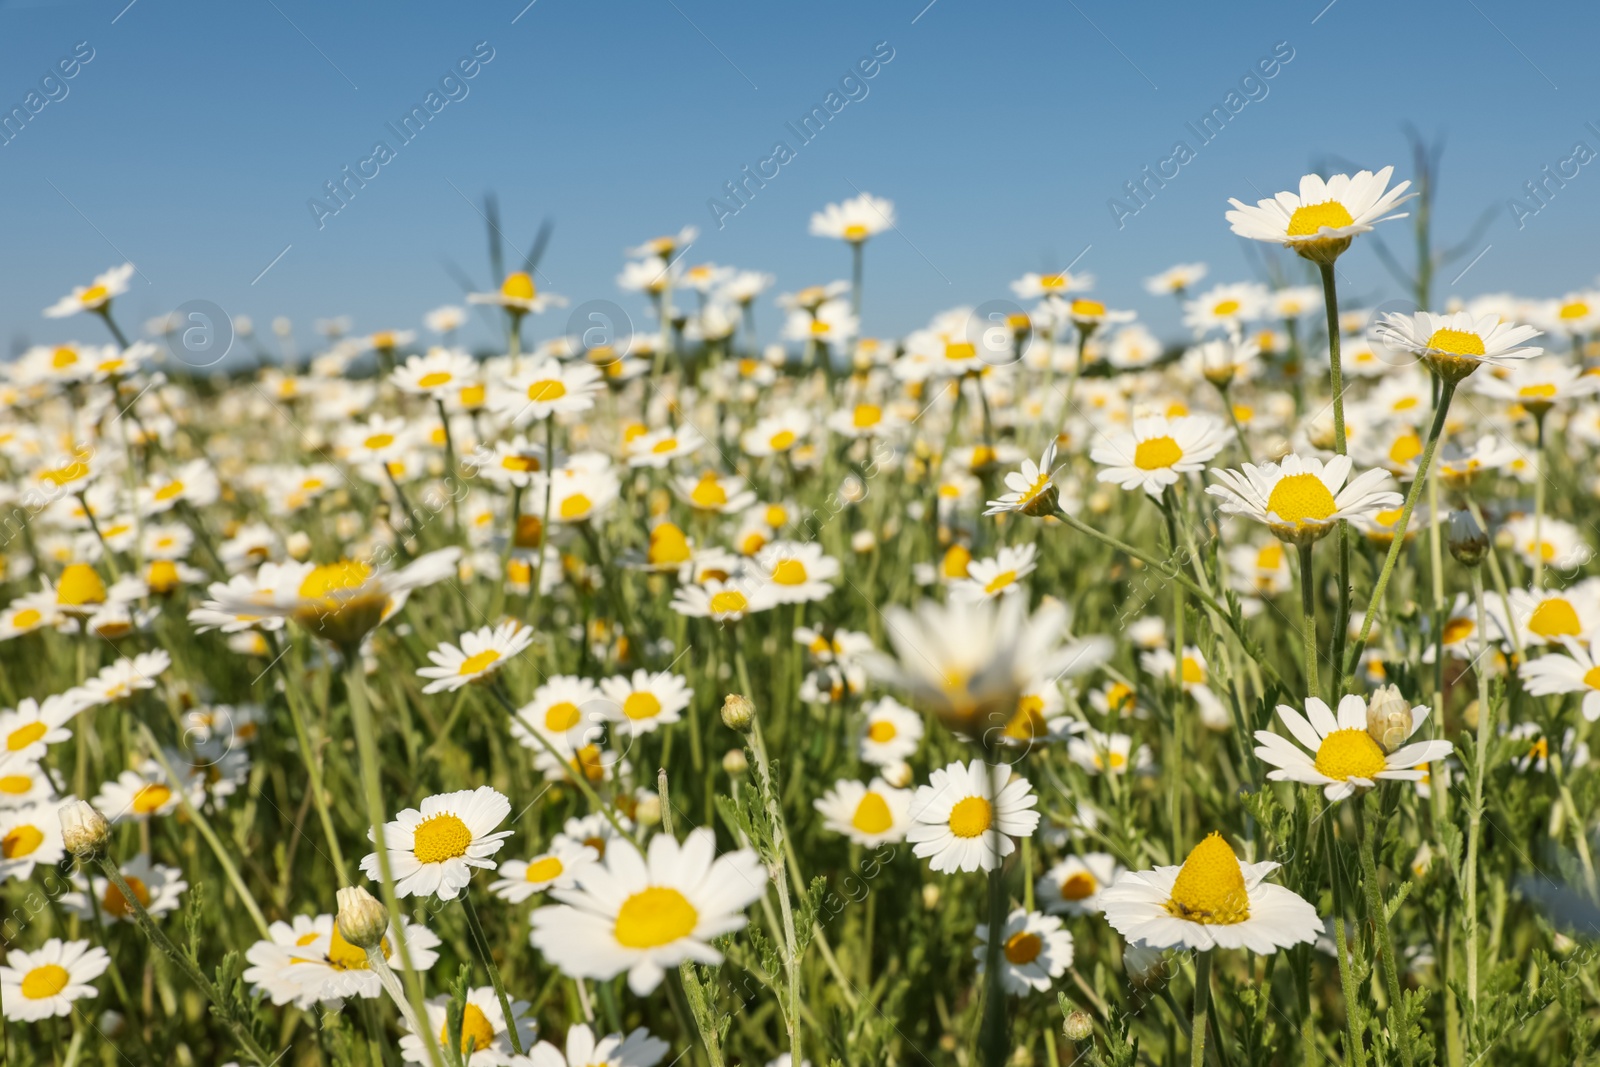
{"type": "Point", "coordinates": [738, 713]}
{"type": "Point", "coordinates": [83, 829]}
{"type": "Point", "coordinates": [362, 919]}
{"type": "Point", "coordinates": [298, 545]}
{"type": "Point", "coordinates": [1389, 720]}
{"type": "Point", "coordinates": [930, 895]}
{"type": "Point", "coordinates": [648, 811]}
{"type": "Point", "coordinates": [1078, 1027]}
{"type": "Point", "coordinates": [1144, 966]}
{"type": "Point", "coordinates": [735, 763]}
{"type": "Point", "coordinates": [1467, 540]}
{"type": "Point", "coordinates": [898, 774]}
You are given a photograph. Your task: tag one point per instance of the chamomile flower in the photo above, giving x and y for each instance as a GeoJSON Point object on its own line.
{"type": "Point", "coordinates": [1103, 753]}
{"type": "Point", "coordinates": [439, 375]}
{"type": "Point", "coordinates": [724, 601]}
{"type": "Point", "coordinates": [658, 448]}
{"type": "Point", "coordinates": [794, 572]}
{"type": "Point", "coordinates": [481, 656]}
{"type": "Point", "coordinates": [1343, 755]}
{"type": "Point", "coordinates": [125, 677]}
{"type": "Point", "coordinates": [1549, 541]}
{"type": "Point", "coordinates": [29, 837]}
{"type": "Point", "coordinates": [645, 913]}
{"type": "Point", "coordinates": [953, 816]}
{"type": "Point", "coordinates": [1059, 283]}
{"type": "Point", "coordinates": [1547, 617]}
{"type": "Point", "coordinates": [1032, 490]}
{"type": "Point", "coordinates": [45, 983]}
{"type": "Point", "coordinates": [1001, 576]}
{"type": "Point", "coordinates": [32, 726]}
{"type": "Point", "coordinates": [1156, 452]}
{"type": "Point", "coordinates": [776, 434]}
{"type": "Point", "coordinates": [1174, 280]}
{"type": "Point", "coordinates": [1576, 672]}
{"type": "Point", "coordinates": [155, 886]}
{"type": "Point", "coordinates": [1073, 886]}
{"type": "Point", "coordinates": [1301, 499]}
{"type": "Point", "coordinates": [1455, 345]}
{"type": "Point", "coordinates": [558, 868]}
{"type": "Point", "coordinates": [94, 297]}
{"type": "Point", "coordinates": [433, 849]}
{"type": "Point", "coordinates": [518, 295]}
{"type": "Point", "coordinates": [723, 494]}
{"type": "Point", "coordinates": [890, 732]}
{"type": "Point", "coordinates": [1211, 901]}
{"type": "Point", "coordinates": [854, 220]}
{"type": "Point", "coordinates": [647, 701]}
{"type": "Point", "coordinates": [1225, 307]}
{"type": "Point", "coordinates": [483, 1030]}
{"type": "Point", "coordinates": [637, 1049]}
{"type": "Point", "coordinates": [872, 814]}
{"type": "Point", "coordinates": [546, 388]}
{"type": "Point", "coordinates": [1034, 951]}
{"type": "Point", "coordinates": [24, 784]}
{"type": "Point", "coordinates": [1320, 221]}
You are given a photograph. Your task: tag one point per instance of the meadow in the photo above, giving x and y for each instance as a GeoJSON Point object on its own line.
{"type": "Point", "coordinates": [1027, 689]}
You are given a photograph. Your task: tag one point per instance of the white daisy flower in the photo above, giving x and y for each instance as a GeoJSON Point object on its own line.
{"type": "Point", "coordinates": [1455, 345]}
{"type": "Point", "coordinates": [724, 601]}
{"type": "Point", "coordinates": [1301, 499]}
{"type": "Point", "coordinates": [1034, 951]}
{"type": "Point", "coordinates": [30, 837]}
{"type": "Point", "coordinates": [155, 886]}
{"type": "Point", "coordinates": [96, 297]}
{"type": "Point", "coordinates": [658, 448]}
{"type": "Point", "coordinates": [1155, 452]}
{"type": "Point", "coordinates": [953, 814]}
{"type": "Point", "coordinates": [854, 220]}
{"type": "Point", "coordinates": [308, 962]}
{"type": "Point", "coordinates": [567, 711]}
{"type": "Point", "coordinates": [869, 815]}
{"type": "Point", "coordinates": [482, 655]}
{"type": "Point", "coordinates": [28, 730]}
{"type": "Point", "coordinates": [890, 733]}
{"type": "Point", "coordinates": [120, 680]}
{"type": "Point", "coordinates": [1174, 280]}
{"type": "Point", "coordinates": [637, 1049]}
{"type": "Point", "coordinates": [647, 701]}
{"type": "Point", "coordinates": [1001, 576]}
{"type": "Point", "coordinates": [433, 849]}
{"type": "Point", "coordinates": [43, 984]}
{"type": "Point", "coordinates": [483, 1030]}
{"type": "Point", "coordinates": [795, 572]}
{"type": "Point", "coordinates": [1225, 307]}
{"type": "Point", "coordinates": [1033, 285]}
{"type": "Point", "coordinates": [1032, 490]}
{"type": "Point", "coordinates": [1211, 901]}
{"type": "Point", "coordinates": [24, 784]}
{"type": "Point", "coordinates": [559, 868]}
{"type": "Point", "coordinates": [1320, 220]}
{"type": "Point", "coordinates": [776, 434]}
{"type": "Point", "coordinates": [724, 494]}
{"type": "Point", "coordinates": [1344, 756]}
{"type": "Point", "coordinates": [518, 295]}
{"type": "Point", "coordinates": [1546, 617]}
{"type": "Point", "coordinates": [142, 794]}
{"type": "Point", "coordinates": [1548, 541]}
{"type": "Point", "coordinates": [545, 388]}
{"type": "Point", "coordinates": [1073, 886]}
{"type": "Point", "coordinates": [440, 374]}
{"type": "Point", "coordinates": [1577, 672]}
{"type": "Point", "coordinates": [1103, 753]}
{"type": "Point", "coordinates": [645, 914]}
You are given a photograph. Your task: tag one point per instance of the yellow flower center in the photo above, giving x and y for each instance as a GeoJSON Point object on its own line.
{"type": "Point", "coordinates": [665, 445]}
{"type": "Point", "coordinates": [150, 798]}
{"type": "Point", "coordinates": [1156, 453]}
{"type": "Point", "coordinates": [170, 491]}
{"type": "Point", "coordinates": [1309, 219]}
{"type": "Point", "coordinates": [1270, 557]}
{"type": "Point", "coordinates": [518, 286]}
{"type": "Point", "coordinates": [1555, 617]}
{"type": "Point", "coordinates": [1028, 722]}
{"type": "Point", "coordinates": [378, 440]}
{"type": "Point", "coordinates": [46, 981]}
{"type": "Point", "coordinates": [728, 602]}
{"type": "Point", "coordinates": [789, 572]}
{"type": "Point", "coordinates": [1079, 886]}
{"type": "Point", "coordinates": [23, 736]}
{"type": "Point", "coordinates": [1210, 886]}
{"type": "Point", "coordinates": [782, 440]}
{"type": "Point", "coordinates": [1537, 392]}
{"type": "Point", "coordinates": [1022, 948]}
{"type": "Point", "coordinates": [866, 415]}
{"type": "Point", "coordinates": [163, 576]}
{"type": "Point", "coordinates": [956, 560]}
{"type": "Point", "coordinates": [561, 717]}
{"type": "Point", "coordinates": [1193, 673]}
{"type": "Point", "coordinates": [520, 463]}
{"type": "Point", "coordinates": [999, 582]}
{"type": "Point", "coordinates": [1591, 678]}
{"type": "Point", "coordinates": [641, 705]}
{"type": "Point", "coordinates": [1120, 697]}
{"type": "Point", "coordinates": [708, 492]}
{"type": "Point", "coordinates": [94, 294]}
{"type": "Point", "coordinates": [872, 815]}
{"type": "Point", "coordinates": [960, 350]}
{"type": "Point", "coordinates": [1458, 630]}
{"type": "Point", "coordinates": [575, 506]}
{"type": "Point", "coordinates": [474, 395]}
{"type": "Point", "coordinates": [440, 837]}
{"type": "Point", "coordinates": [63, 357]}
{"type": "Point", "coordinates": [970, 817]}
{"type": "Point", "coordinates": [477, 1032]}
{"type": "Point", "coordinates": [1224, 308]}
{"type": "Point", "coordinates": [547, 389]}
{"type": "Point", "coordinates": [79, 585]}
{"type": "Point", "coordinates": [668, 545]}
{"type": "Point", "coordinates": [21, 841]}
{"type": "Point", "coordinates": [855, 232]}
{"type": "Point", "coordinates": [434, 379]}
{"type": "Point", "coordinates": [479, 662]}
{"type": "Point", "coordinates": [1052, 281]}
{"type": "Point", "coordinates": [1350, 753]}
{"type": "Point", "coordinates": [331, 578]}
{"type": "Point", "coordinates": [544, 869]}
{"type": "Point", "coordinates": [654, 917]}
{"type": "Point", "coordinates": [1301, 499]}
{"type": "Point", "coordinates": [117, 905]}
{"type": "Point", "coordinates": [1456, 342]}
{"type": "Point", "coordinates": [882, 731]}
{"type": "Point", "coordinates": [1083, 308]}
{"type": "Point", "coordinates": [15, 784]}
{"type": "Point", "coordinates": [1406, 447]}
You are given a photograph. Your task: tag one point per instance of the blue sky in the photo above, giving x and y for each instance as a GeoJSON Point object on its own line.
{"type": "Point", "coordinates": [193, 140]}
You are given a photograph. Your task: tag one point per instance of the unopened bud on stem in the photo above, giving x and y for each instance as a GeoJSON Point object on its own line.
{"type": "Point", "coordinates": [738, 713]}
{"type": "Point", "coordinates": [83, 830]}
{"type": "Point", "coordinates": [362, 919]}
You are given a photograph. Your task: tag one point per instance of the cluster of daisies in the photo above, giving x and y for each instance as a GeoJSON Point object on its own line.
{"type": "Point", "coordinates": [581, 547]}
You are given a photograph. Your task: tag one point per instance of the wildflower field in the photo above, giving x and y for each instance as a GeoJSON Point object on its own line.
{"type": "Point", "coordinates": [1028, 689]}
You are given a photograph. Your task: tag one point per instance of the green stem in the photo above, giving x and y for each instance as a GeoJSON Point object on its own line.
{"type": "Point", "coordinates": [1202, 1001]}
{"type": "Point", "coordinates": [1356, 1053]}
{"type": "Point", "coordinates": [1308, 616]}
{"type": "Point", "coordinates": [1475, 812]}
{"type": "Point", "coordinates": [475, 929]}
{"type": "Point", "coordinates": [1341, 622]}
{"type": "Point", "coordinates": [1379, 919]}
